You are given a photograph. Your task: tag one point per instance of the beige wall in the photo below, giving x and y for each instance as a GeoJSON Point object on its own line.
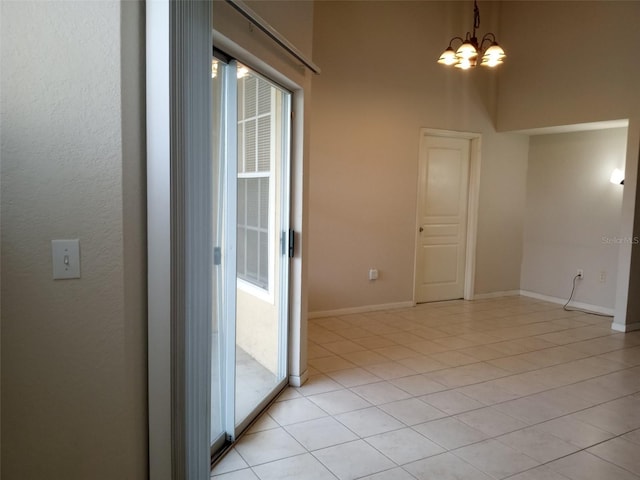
{"type": "Point", "coordinates": [573, 215]}
{"type": "Point", "coordinates": [553, 78]}
{"type": "Point", "coordinates": [257, 329]}
{"type": "Point", "coordinates": [73, 351]}
{"type": "Point", "coordinates": [379, 85]}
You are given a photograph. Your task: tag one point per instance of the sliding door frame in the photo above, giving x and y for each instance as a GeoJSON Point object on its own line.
{"type": "Point", "coordinates": [178, 43]}
{"type": "Point", "coordinates": [178, 40]}
{"type": "Point", "coordinates": [297, 328]}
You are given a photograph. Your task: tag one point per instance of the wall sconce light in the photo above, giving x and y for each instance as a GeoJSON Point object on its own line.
{"type": "Point", "coordinates": [617, 177]}
{"type": "Point", "coordinates": [466, 56]}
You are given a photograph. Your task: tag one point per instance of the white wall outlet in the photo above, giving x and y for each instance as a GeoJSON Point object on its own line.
{"type": "Point", "coordinates": [373, 274]}
{"type": "Point", "coordinates": [603, 276]}
{"type": "Point", "coordinates": [66, 259]}
{"type": "Point", "coordinates": [580, 273]}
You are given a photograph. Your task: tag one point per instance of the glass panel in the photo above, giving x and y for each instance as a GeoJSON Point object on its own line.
{"type": "Point", "coordinates": [264, 97]}
{"type": "Point", "coordinates": [262, 286]}
{"type": "Point", "coordinates": [253, 219]}
{"type": "Point", "coordinates": [264, 144]}
{"type": "Point", "coordinates": [252, 254]}
{"type": "Point", "coordinates": [264, 203]}
{"type": "Point", "coordinates": [250, 96]}
{"type": "Point", "coordinates": [249, 146]}
{"type": "Point", "coordinates": [253, 200]}
{"type": "Point", "coordinates": [217, 351]}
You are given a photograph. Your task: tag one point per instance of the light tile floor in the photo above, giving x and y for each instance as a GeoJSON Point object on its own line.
{"type": "Point", "coordinates": [490, 389]}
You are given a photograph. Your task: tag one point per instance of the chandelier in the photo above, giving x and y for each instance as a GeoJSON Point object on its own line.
{"type": "Point", "coordinates": [466, 56]}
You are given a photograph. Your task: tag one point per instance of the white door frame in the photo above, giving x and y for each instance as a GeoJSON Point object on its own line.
{"type": "Point", "coordinates": [184, 29]}
{"type": "Point", "coordinates": [472, 206]}
{"type": "Point", "coordinates": [178, 63]}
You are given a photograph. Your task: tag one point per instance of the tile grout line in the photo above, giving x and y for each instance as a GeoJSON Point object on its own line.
{"type": "Point", "coordinates": [446, 388]}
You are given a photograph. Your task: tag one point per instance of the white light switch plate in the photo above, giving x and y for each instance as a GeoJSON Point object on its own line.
{"type": "Point", "coordinates": [66, 258]}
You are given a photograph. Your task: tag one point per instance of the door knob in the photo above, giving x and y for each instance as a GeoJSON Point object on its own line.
{"type": "Point", "coordinates": [421, 229]}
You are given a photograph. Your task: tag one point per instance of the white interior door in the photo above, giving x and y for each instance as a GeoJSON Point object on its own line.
{"type": "Point", "coordinates": [442, 218]}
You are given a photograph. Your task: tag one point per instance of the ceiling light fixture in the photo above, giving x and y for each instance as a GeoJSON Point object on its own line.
{"type": "Point", "coordinates": [466, 56]}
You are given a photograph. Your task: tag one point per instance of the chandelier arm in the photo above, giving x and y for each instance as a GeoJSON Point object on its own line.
{"type": "Point", "coordinates": [488, 37]}
{"type": "Point", "coordinates": [455, 38]}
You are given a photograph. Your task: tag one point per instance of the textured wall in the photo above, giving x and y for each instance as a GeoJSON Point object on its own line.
{"type": "Point", "coordinates": [73, 368]}
{"type": "Point", "coordinates": [572, 209]}
{"type": "Point", "coordinates": [380, 84]}
{"type": "Point", "coordinates": [551, 79]}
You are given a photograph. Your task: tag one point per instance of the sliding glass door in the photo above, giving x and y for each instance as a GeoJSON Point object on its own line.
{"type": "Point", "coordinates": [250, 230]}
{"type": "Point", "coordinates": [262, 223]}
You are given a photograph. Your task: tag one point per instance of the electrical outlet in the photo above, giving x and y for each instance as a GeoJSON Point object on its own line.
{"type": "Point", "coordinates": [580, 273]}
{"type": "Point", "coordinates": [603, 276]}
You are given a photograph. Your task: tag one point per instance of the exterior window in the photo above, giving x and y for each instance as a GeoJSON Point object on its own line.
{"type": "Point", "coordinates": [256, 157]}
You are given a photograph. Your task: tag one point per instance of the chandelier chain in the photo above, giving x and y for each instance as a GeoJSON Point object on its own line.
{"type": "Point", "coordinates": [476, 17]}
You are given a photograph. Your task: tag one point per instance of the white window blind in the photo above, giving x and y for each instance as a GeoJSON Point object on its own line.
{"type": "Point", "coordinates": [256, 118]}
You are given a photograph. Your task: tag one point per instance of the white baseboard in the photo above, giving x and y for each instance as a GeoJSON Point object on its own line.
{"type": "Point", "coordinates": [298, 380]}
{"type": "Point", "coordinates": [363, 309]}
{"type": "Point", "coordinates": [562, 301]}
{"type": "Point", "coordinates": [507, 293]}
{"type": "Point", "coordinates": [625, 327]}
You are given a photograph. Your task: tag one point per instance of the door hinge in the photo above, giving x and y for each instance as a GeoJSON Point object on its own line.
{"type": "Point", "coordinates": [292, 243]}
{"type": "Point", "coordinates": [217, 256]}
